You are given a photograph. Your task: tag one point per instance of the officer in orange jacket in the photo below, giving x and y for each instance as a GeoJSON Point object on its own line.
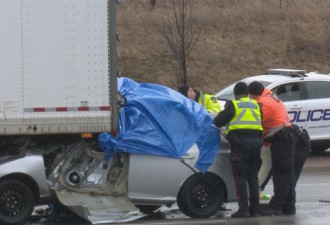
{"type": "Point", "coordinates": [277, 131]}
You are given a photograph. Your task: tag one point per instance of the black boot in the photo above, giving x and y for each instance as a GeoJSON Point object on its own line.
{"type": "Point", "coordinates": [240, 214]}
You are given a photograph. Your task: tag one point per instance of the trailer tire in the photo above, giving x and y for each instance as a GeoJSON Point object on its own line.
{"type": "Point", "coordinates": [201, 196]}
{"type": "Point", "coordinates": [16, 202]}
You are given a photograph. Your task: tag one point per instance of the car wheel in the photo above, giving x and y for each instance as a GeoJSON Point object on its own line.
{"type": "Point", "coordinates": [16, 202]}
{"type": "Point", "coordinates": [147, 209]}
{"type": "Point", "coordinates": [201, 196]}
{"type": "Point", "coordinates": [319, 146]}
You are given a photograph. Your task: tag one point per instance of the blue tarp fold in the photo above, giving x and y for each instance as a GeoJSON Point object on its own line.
{"type": "Point", "coordinates": [160, 121]}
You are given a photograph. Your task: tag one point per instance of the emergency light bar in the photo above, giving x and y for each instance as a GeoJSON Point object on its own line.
{"type": "Point", "coordinates": [288, 72]}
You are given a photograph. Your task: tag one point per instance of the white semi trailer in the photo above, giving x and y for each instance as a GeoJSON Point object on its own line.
{"type": "Point", "coordinates": [55, 67]}
{"type": "Point", "coordinates": [58, 84]}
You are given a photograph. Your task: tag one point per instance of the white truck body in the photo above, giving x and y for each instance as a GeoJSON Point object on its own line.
{"type": "Point", "coordinates": [58, 77]}
{"type": "Point", "coordinates": [54, 67]}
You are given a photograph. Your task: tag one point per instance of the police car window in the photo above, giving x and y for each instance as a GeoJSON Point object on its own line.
{"type": "Point", "coordinates": [288, 92]}
{"type": "Point", "coordinates": [318, 89]}
{"type": "Point", "coordinates": [228, 92]}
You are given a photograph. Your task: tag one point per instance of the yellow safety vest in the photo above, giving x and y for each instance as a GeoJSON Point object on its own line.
{"type": "Point", "coordinates": [247, 116]}
{"type": "Point", "coordinates": [210, 103]}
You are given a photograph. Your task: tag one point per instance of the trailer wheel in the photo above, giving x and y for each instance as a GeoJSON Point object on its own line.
{"type": "Point", "coordinates": [200, 196]}
{"type": "Point", "coordinates": [16, 202]}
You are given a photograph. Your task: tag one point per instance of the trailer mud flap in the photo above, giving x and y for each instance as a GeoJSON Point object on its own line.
{"type": "Point", "coordinates": [99, 209]}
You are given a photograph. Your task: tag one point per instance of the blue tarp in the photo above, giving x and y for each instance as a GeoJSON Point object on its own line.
{"type": "Point", "coordinates": [160, 121]}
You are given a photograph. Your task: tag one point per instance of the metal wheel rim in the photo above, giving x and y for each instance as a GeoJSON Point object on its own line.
{"type": "Point", "coordinates": [201, 195]}
{"type": "Point", "coordinates": [11, 202]}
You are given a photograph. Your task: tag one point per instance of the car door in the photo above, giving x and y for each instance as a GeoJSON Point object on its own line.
{"type": "Point", "coordinates": [318, 109]}
{"type": "Point", "coordinates": [292, 95]}
{"type": "Point", "coordinates": [156, 179]}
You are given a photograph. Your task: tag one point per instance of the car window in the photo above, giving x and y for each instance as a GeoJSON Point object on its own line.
{"type": "Point", "coordinates": [288, 92]}
{"type": "Point", "coordinates": [318, 89]}
{"type": "Point", "coordinates": [228, 92]}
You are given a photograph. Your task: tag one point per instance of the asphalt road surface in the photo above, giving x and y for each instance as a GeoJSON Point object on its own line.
{"type": "Point", "coordinates": [313, 204]}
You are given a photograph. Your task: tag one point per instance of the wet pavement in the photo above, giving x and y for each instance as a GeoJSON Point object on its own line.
{"type": "Point", "coordinates": [308, 213]}
{"type": "Point", "coordinates": [313, 204]}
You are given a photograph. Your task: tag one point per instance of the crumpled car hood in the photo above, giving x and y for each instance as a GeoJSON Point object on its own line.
{"type": "Point", "coordinates": [99, 209]}
{"type": "Point", "coordinates": [93, 188]}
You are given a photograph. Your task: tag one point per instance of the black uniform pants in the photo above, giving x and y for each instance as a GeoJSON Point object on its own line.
{"type": "Point", "coordinates": [282, 153]}
{"type": "Point", "coordinates": [246, 162]}
{"type": "Point", "coordinates": [300, 156]}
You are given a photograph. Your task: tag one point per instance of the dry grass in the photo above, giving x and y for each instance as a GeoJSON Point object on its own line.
{"type": "Point", "coordinates": [239, 38]}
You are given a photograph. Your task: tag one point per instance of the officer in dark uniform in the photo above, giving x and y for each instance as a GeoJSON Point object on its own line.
{"type": "Point", "coordinates": [302, 149]}
{"type": "Point", "coordinates": [243, 119]}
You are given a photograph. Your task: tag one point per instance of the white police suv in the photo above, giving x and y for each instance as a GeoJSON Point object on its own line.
{"type": "Point", "coordinates": [306, 96]}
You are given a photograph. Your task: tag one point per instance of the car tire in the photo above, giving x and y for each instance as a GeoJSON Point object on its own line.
{"type": "Point", "coordinates": [16, 202]}
{"type": "Point", "coordinates": [318, 147]}
{"type": "Point", "coordinates": [201, 196]}
{"type": "Point", "coordinates": [147, 209]}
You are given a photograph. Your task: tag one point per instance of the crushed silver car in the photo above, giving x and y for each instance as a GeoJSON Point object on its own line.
{"type": "Point", "coordinates": [80, 170]}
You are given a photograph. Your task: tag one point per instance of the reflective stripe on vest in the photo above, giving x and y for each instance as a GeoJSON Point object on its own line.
{"type": "Point", "coordinates": [202, 99]}
{"type": "Point", "coordinates": [273, 130]}
{"type": "Point", "coordinates": [247, 116]}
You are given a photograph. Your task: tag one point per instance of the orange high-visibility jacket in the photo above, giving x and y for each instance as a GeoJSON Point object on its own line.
{"type": "Point", "coordinates": [274, 116]}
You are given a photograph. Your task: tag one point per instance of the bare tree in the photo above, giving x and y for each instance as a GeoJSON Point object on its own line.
{"type": "Point", "coordinates": [181, 35]}
{"type": "Point", "coordinates": [152, 2]}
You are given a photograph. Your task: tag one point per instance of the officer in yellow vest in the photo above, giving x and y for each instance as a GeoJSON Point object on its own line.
{"type": "Point", "coordinates": [210, 102]}
{"type": "Point", "coordinates": [243, 120]}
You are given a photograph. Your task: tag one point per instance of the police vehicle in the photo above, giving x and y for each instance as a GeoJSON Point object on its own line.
{"type": "Point", "coordinates": [306, 96]}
